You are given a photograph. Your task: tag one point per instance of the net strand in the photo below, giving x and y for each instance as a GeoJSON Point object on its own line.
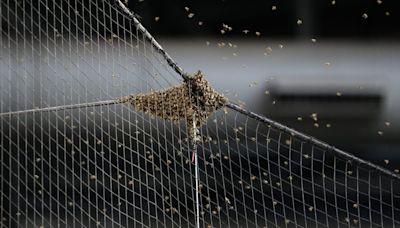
{"type": "Point", "coordinates": [196, 166]}
{"type": "Point", "coordinates": [64, 107]}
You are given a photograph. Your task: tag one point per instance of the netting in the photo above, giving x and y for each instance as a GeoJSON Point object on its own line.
{"type": "Point", "coordinates": [108, 164]}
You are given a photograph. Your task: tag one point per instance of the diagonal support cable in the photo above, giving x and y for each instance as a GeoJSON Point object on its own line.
{"type": "Point", "coordinates": [312, 140]}
{"type": "Point", "coordinates": [64, 107]}
{"type": "Point", "coordinates": [152, 40]}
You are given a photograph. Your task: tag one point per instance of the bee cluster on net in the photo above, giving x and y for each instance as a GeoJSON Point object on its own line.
{"type": "Point", "coordinates": [193, 101]}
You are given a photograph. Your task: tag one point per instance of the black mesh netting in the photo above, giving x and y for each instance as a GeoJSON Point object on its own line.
{"type": "Point", "coordinates": [112, 166]}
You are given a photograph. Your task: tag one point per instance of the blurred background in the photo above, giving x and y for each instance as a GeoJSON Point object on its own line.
{"type": "Point", "coordinates": [328, 68]}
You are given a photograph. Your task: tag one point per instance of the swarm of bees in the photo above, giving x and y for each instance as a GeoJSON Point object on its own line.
{"type": "Point", "coordinates": [194, 100]}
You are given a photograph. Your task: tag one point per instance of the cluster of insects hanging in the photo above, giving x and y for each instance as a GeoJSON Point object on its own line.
{"type": "Point", "coordinates": [194, 100]}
